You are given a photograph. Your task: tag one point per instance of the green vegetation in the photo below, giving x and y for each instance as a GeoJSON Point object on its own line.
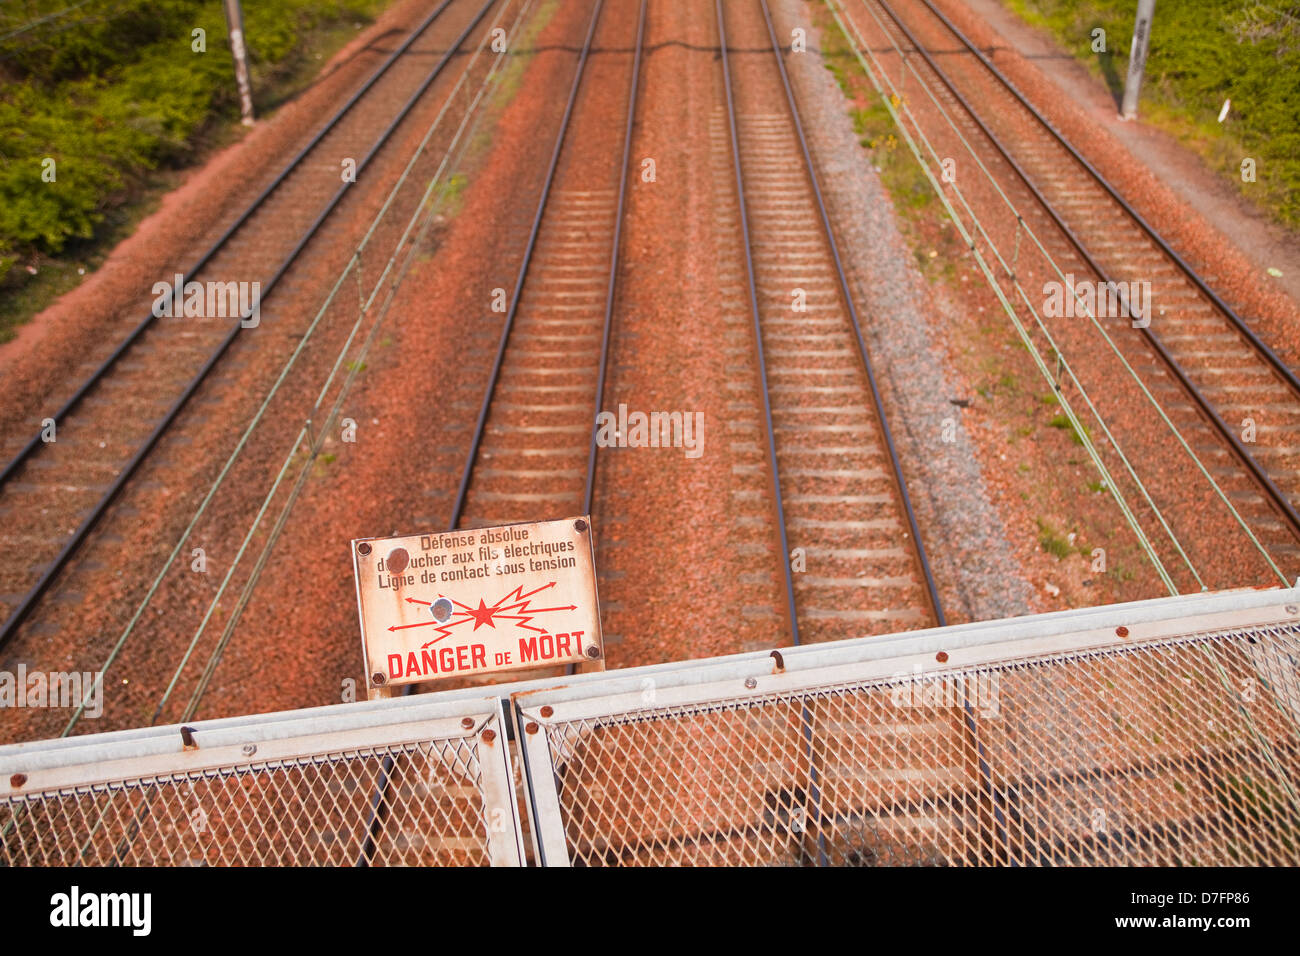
{"type": "Point", "coordinates": [899, 171]}
{"type": "Point", "coordinates": [1201, 54]}
{"type": "Point", "coordinates": [1055, 543]}
{"type": "Point", "coordinates": [1052, 542]}
{"type": "Point", "coordinates": [114, 93]}
{"type": "Point", "coordinates": [1121, 571]}
{"type": "Point", "coordinates": [1062, 421]}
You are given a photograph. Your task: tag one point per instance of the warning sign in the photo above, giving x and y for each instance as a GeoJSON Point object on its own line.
{"type": "Point", "coordinates": [472, 602]}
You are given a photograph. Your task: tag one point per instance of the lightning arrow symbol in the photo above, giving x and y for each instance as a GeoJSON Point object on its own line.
{"type": "Point", "coordinates": [519, 597]}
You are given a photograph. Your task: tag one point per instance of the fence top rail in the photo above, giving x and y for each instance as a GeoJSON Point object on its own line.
{"type": "Point", "coordinates": [1001, 639]}
{"type": "Point", "coordinates": [224, 733]}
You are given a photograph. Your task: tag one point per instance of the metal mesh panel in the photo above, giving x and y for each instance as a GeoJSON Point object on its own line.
{"type": "Point", "coordinates": [312, 807]}
{"type": "Point", "coordinates": [1171, 752]}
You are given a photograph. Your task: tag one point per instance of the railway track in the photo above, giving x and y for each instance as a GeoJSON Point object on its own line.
{"type": "Point", "coordinates": [840, 495]}
{"type": "Point", "coordinates": [54, 493]}
{"type": "Point", "coordinates": [1234, 398]}
{"type": "Point", "coordinates": [533, 450]}
{"type": "Point", "coordinates": [843, 514]}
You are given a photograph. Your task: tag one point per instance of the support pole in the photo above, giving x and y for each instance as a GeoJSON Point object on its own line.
{"type": "Point", "coordinates": [1137, 58]}
{"type": "Point", "coordinates": [235, 26]}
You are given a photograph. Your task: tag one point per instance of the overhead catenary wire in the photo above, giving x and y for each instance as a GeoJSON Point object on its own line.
{"type": "Point", "coordinates": [1037, 242]}
{"type": "Point", "coordinates": [354, 366]}
{"type": "Point", "coordinates": [71, 545]}
{"type": "Point", "coordinates": [1215, 419]}
{"type": "Point", "coordinates": [1023, 226]}
{"type": "Point", "coordinates": [1267, 750]}
{"type": "Point", "coordinates": [988, 272]}
{"type": "Point", "coordinates": [1271, 358]}
{"type": "Point", "coordinates": [287, 368]}
{"type": "Point", "coordinates": [446, 58]}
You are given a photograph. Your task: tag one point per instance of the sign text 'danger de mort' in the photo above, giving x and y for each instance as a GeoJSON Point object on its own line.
{"type": "Point", "coordinates": [471, 602]}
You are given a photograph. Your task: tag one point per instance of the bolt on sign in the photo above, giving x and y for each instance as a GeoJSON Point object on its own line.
{"type": "Point", "coordinates": [474, 602]}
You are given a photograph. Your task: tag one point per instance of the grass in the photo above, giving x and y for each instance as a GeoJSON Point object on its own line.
{"type": "Point", "coordinates": [905, 181]}
{"type": "Point", "coordinates": [1059, 545]}
{"type": "Point", "coordinates": [1062, 421]}
{"type": "Point", "coordinates": [1201, 54]}
{"type": "Point", "coordinates": [1053, 542]}
{"type": "Point", "coordinates": [451, 192]}
{"type": "Point", "coordinates": [510, 80]}
{"type": "Point", "coordinates": [899, 172]}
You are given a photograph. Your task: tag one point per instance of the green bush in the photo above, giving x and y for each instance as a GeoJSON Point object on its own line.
{"type": "Point", "coordinates": [113, 89]}
{"type": "Point", "coordinates": [1201, 54]}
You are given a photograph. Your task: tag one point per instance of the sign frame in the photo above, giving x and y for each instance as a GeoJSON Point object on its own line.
{"type": "Point", "coordinates": [408, 591]}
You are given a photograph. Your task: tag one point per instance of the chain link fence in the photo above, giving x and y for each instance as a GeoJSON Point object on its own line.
{"type": "Point", "coordinates": [436, 791]}
{"type": "Point", "coordinates": [1159, 733]}
{"type": "Point", "coordinates": [1171, 751]}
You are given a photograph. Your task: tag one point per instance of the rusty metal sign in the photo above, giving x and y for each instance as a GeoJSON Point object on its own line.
{"type": "Point", "coordinates": [479, 601]}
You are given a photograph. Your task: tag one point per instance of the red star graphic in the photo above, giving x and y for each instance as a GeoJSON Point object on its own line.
{"type": "Point", "coordinates": [482, 615]}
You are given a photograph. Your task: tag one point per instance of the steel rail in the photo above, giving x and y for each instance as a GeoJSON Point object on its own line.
{"type": "Point", "coordinates": [806, 719]}
{"type": "Point", "coordinates": [1278, 499]}
{"type": "Point", "coordinates": [918, 544]}
{"type": "Point", "coordinates": [931, 588]}
{"type": "Point", "coordinates": [747, 244]}
{"type": "Point", "coordinates": [10, 626]}
{"type": "Point", "coordinates": [611, 289]}
{"type": "Point", "coordinates": [588, 494]}
{"type": "Point", "coordinates": [1279, 366]}
{"type": "Point", "coordinates": [379, 801]}
{"type": "Point", "coordinates": [477, 439]}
